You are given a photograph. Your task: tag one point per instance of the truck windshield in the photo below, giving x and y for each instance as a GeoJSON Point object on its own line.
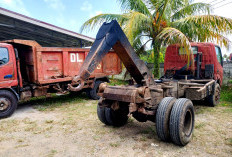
{"type": "Point", "coordinates": [4, 56]}
{"type": "Point", "coordinates": [194, 49]}
{"type": "Point", "coordinates": [219, 55]}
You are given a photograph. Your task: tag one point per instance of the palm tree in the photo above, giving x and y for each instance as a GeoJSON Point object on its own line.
{"type": "Point", "coordinates": [163, 22]}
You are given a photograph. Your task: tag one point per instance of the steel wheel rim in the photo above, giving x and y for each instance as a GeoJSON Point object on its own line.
{"type": "Point", "coordinates": [4, 104]}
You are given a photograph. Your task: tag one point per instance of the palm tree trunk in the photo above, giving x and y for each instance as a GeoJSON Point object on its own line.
{"type": "Point", "coordinates": [156, 51]}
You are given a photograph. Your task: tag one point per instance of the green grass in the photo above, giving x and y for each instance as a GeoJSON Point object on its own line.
{"type": "Point", "coordinates": [50, 103]}
{"type": "Point", "coordinates": [114, 82]}
{"type": "Point", "coordinates": [199, 125]}
{"type": "Point", "coordinates": [230, 141]}
{"type": "Point", "coordinates": [226, 96]}
{"type": "Point", "coordinates": [43, 103]}
{"type": "Point", "coordinates": [117, 144]}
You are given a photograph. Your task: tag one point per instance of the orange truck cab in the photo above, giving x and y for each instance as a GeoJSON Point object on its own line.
{"type": "Point", "coordinates": [8, 67]}
{"type": "Point", "coordinates": [208, 62]}
{"type": "Point", "coordinates": [30, 70]}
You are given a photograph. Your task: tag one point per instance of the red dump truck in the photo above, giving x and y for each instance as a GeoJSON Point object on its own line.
{"type": "Point", "coordinates": [29, 70]}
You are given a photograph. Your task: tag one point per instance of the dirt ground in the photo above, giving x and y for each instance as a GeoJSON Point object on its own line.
{"type": "Point", "coordinates": [73, 129]}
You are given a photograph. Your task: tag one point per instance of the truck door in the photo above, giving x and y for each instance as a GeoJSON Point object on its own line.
{"type": "Point", "coordinates": [219, 64]}
{"type": "Point", "coordinates": [8, 74]}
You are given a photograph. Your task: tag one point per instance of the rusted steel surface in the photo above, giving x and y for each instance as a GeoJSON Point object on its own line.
{"type": "Point", "coordinates": [192, 94]}
{"type": "Point", "coordinates": [110, 36]}
{"type": "Point", "coordinates": [206, 85]}
{"type": "Point", "coordinates": [42, 65]}
{"type": "Point", "coordinates": [123, 93]}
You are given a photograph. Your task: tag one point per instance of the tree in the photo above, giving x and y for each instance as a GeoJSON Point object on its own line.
{"type": "Point", "coordinates": [225, 57]}
{"type": "Point", "coordinates": [165, 22]}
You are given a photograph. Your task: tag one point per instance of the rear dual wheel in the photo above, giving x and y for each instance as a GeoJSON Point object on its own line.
{"type": "Point", "coordinates": [182, 120]}
{"type": "Point", "coordinates": [109, 116]}
{"type": "Point", "coordinates": [162, 118]}
{"type": "Point", "coordinates": [175, 120]}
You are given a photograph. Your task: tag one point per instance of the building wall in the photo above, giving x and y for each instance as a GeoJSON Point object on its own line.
{"type": "Point", "coordinates": [227, 67]}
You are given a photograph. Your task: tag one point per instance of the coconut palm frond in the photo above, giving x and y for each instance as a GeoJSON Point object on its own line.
{"type": "Point", "coordinates": [191, 9]}
{"type": "Point", "coordinates": [218, 38]}
{"type": "Point", "coordinates": [139, 45]}
{"type": "Point", "coordinates": [98, 20]}
{"type": "Point", "coordinates": [175, 5]}
{"type": "Point", "coordinates": [204, 27]}
{"type": "Point", "coordinates": [135, 5]}
{"type": "Point", "coordinates": [213, 22]}
{"type": "Point", "coordinates": [136, 25]}
{"type": "Point", "coordinates": [172, 36]}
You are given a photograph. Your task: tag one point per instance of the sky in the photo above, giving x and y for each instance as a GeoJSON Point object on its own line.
{"type": "Point", "coordinates": [71, 14]}
{"type": "Point", "coordinates": [68, 14]}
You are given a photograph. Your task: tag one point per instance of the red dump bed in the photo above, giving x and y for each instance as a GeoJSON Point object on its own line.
{"type": "Point", "coordinates": [43, 65]}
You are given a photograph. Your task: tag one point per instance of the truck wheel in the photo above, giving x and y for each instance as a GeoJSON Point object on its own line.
{"type": "Point", "coordinates": [117, 117]}
{"type": "Point", "coordinates": [92, 93]}
{"type": "Point", "coordinates": [214, 99]}
{"type": "Point", "coordinates": [139, 116]}
{"type": "Point", "coordinates": [182, 122]}
{"type": "Point", "coordinates": [163, 117]}
{"type": "Point", "coordinates": [8, 103]}
{"type": "Point", "coordinates": [101, 114]}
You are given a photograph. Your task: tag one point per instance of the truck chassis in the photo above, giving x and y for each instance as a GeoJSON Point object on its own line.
{"type": "Point", "coordinates": [166, 102]}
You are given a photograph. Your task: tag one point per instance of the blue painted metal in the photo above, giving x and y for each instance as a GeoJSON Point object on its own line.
{"type": "Point", "coordinates": [8, 76]}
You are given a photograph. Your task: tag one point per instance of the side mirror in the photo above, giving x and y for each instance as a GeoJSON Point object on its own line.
{"type": "Point", "coordinates": [16, 54]}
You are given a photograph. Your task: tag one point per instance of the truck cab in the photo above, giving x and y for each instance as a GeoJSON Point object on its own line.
{"type": "Point", "coordinates": [8, 72]}
{"type": "Point", "coordinates": [208, 62]}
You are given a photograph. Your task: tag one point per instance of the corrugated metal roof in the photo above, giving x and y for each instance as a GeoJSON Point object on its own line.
{"type": "Point", "coordinates": [17, 26]}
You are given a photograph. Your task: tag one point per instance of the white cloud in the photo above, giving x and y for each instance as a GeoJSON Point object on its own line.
{"type": "Point", "coordinates": [15, 5]}
{"type": "Point", "coordinates": [95, 13]}
{"type": "Point", "coordinates": [98, 12]}
{"type": "Point", "coordinates": [86, 6]}
{"type": "Point", "coordinates": [66, 22]}
{"type": "Point", "coordinates": [55, 4]}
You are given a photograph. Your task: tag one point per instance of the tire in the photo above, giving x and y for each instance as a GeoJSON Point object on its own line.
{"type": "Point", "coordinates": [139, 116]}
{"type": "Point", "coordinates": [108, 114]}
{"type": "Point", "coordinates": [118, 117]}
{"type": "Point", "coordinates": [101, 114]}
{"type": "Point", "coordinates": [182, 122]}
{"type": "Point", "coordinates": [163, 118]}
{"type": "Point", "coordinates": [75, 93]}
{"type": "Point", "coordinates": [92, 93]}
{"type": "Point", "coordinates": [8, 103]}
{"type": "Point", "coordinates": [213, 100]}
